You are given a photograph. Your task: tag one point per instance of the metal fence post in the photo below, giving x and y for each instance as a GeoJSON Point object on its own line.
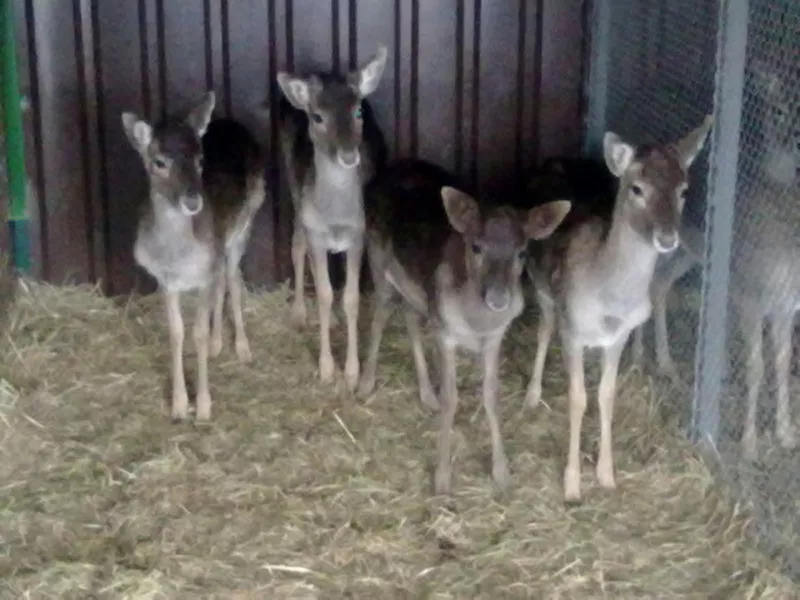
{"type": "Point", "coordinates": [711, 360]}
{"type": "Point", "coordinates": [598, 78]}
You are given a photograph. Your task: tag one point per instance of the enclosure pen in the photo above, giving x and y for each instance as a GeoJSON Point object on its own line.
{"type": "Point", "coordinates": [296, 486]}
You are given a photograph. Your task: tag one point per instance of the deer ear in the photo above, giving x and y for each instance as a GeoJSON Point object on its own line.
{"type": "Point", "coordinates": [138, 132]}
{"type": "Point", "coordinates": [200, 116]}
{"type": "Point", "coordinates": [617, 153]}
{"type": "Point", "coordinates": [296, 90]}
{"type": "Point", "coordinates": [545, 218]}
{"type": "Point", "coordinates": [369, 76]}
{"type": "Point", "coordinates": [690, 146]}
{"type": "Point", "coordinates": [461, 209]}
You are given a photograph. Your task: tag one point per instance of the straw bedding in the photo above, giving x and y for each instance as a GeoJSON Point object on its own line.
{"type": "Point", "coordinates": [299, 490]}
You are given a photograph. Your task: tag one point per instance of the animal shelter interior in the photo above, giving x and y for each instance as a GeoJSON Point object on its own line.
{"type": "Point", "coordinates": [649, 156]}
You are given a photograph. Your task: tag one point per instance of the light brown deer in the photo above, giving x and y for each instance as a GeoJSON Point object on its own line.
{"type": "Point", "coordinates": [206, 182]}
{"type": "Point", "coordinates": [765, 271]}
{"type": "Point", "coordinates": [592, 279]}
{"type": "Point", "coordinates": [331, 146]}
{"type": "Point", "coordinates": [458, 265]}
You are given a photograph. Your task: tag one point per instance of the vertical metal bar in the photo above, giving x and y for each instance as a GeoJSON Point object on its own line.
{"type": "Point", "coordinates": [598, 78]}
{"type": "Point", "coordinates": [15, 146]}
{"type": "Point", "coordinates": [722, 174]}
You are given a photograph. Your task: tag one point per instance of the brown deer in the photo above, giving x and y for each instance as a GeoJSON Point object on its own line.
{"type": "Point", "coordinates": [206, 182]}
{"type": "Point", "coordinates": [765, 272]}
{"type": "Point", "coordinates": [331, 146]}
{"type": "Point", "coordinates": [458, 265]}
{"type": "Point", "coordinates": [592, 278]}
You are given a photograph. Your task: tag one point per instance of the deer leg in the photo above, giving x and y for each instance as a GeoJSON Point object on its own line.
{"type": "Point", "coordinates": [449, 403]}
{"type": "Point", "coordinates": [782, 339]}
{"type": "Point", "coordinates": [203, 408]}
{"type": "Point", "coordinates": [752, 332]}
{"type": "Point", "coordinates": [180, 398]}
{"type": "Point", "coordinates": [299, 251]}
{"type": "Point", "coordinates": [235, 285]}
{"type": "Point", "coordinates": [547, 321]}
{"type": "Point", "coordinates": [426, 394]}
{"type": "Point", "coordinates": [491, 386]}
{"type": "Point", "coordinates": [573, 355]}
{"type": "Point", "coordinates": [605, 399]}
{"type": "Point", "coordinates": [662, 286]}
{"type": "Point", "coordinates": [215, 346]}
{"type": "Point", "coordinates": [381, 311]}
{"type": "Point", "coordinates": [322, 285]}
{"type": "Point", "coordinates": [350, 303]}
{"type": "Point", "coordinates": [638, 343]}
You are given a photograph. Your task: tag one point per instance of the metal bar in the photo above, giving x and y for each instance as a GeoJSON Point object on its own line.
{"type": "Point", "coordinates": [598, 78]}
{"type": "Point", "coordinates": [15, 146]}
{"type": "Point", "coordinates": [711, 360]}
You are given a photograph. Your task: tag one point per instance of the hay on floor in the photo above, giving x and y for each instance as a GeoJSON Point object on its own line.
{"type": "Point", "coordinates": [298, 490]}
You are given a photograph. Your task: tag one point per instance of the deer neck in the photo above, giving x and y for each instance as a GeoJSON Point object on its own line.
{"type": "Point", "coordinates": [626, 258]}
{"type": "Point", "coordinates": [167, 217]}
{"type": "Point", "coordinates": [335, 185]}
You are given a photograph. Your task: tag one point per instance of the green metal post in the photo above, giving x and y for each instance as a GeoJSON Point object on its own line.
{"type": "Point", "coordinates": [15, 145]}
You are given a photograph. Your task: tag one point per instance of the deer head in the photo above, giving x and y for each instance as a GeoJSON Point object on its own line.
{"type": "Point", "coordinates": [333, 106]}
{"type": "Point", "coordinates": [652, 183]}
{"type": "Point", "coordinates": [780, 121]}
{"type": "Point", "coordinates": [172, 154]}
{"type": "Point", "coordinates": [495, 245]}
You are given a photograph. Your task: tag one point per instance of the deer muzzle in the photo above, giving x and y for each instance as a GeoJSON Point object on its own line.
{"type": "Point", "coordinates": [665, 241]}
{"type": "Point", "coordinates": [349, 159]}
{"type": "Point", "coordinates": [191, 204]}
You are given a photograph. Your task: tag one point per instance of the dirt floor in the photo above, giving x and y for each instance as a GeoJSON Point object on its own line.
{"type": "Point", "coordinates": [298, 490]}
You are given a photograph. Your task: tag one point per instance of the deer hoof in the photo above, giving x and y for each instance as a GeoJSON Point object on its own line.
{"type": "Point", "coordinates": [442, 482]}
{"type": "Point", "coordinates": [243, 350]}
{"type": "Point", "coordinates": [572, 486]}
{"type": "Point", "coordinates": [203, 412]}
{"type": "Point", "coordinates": [299, 314]}
{"type": "Point", "coordinates": [326, 368]}
{"type": "Point", "coordinates": [749, 446]}
{"type": "Point", "coordinates": [500, 474]}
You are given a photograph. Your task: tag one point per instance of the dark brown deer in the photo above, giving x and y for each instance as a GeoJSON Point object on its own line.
{"type": "Point", "coordinates": [206, 182]}
{"type": "Point", "coordinates": [457, 264]}
{"type": "Point", "coordinates": [331, 146]}
{"type": "Point", "coordinates": [765, 272]}
{"type": "Point", "coordinates": [592, 279]}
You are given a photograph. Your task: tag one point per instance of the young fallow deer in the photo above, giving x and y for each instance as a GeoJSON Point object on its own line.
{"type": "Point", "coordinates": [331, 146]}
{"type": "Point", "coordinates": [765, 266]}
{"type": "Point", "coordinates": [206, 182]}
{"type": "Point", "coordinates": [592, 279]}
{"type": "Point", "coordinates": [460, 266]}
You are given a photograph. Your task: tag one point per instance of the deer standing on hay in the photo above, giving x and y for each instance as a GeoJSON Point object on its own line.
{"type": "Point", "coordinates": [331, 146]}
{"type": "Point", "coordinates": [765, 266]}
{"type": "Point", "coordinates": [206, 182]}
{"type": "Point", "coordinates": [592, 279]}
{"type": "Point", "coordinates": [457, 264]}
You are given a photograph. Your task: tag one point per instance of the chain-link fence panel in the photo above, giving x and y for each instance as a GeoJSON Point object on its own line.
{"type": "Point", "coordinates": [730, 317]}
{"type": "Point", "coordinates": [757, 421]}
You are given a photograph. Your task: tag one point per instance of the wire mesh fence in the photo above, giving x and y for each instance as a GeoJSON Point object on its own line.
{"type": "Point", "coordinates": [667, 65]}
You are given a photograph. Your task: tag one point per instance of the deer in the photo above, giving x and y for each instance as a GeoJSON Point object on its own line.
{"type": "Point", "coordinates": [457, 264]}
{"type": "Point", "coordinates": [331, 146]}
{"type": "Point", "coordinates": [765, 273]}
{"type": "Point", "coordinates": [592, 279]}
{"type": "Point", "coordinates": [206, 183]}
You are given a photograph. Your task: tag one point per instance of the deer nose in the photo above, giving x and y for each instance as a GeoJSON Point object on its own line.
{"type": "Point", "coordinates": [191, 204]}
{"type": "Point", "coordinates": [497, 299]}
{"type": "Point", "coordinates": [665, 241]}
{"type": "Point", "coordinates": [349, 158]}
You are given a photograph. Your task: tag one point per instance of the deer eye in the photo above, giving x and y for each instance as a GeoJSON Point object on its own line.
{"type": "Point", "coordinates": [636, 190]}
{"type": "Point", "coordinates": [358, 113]}
{"type": "Point", "coordinates": [523, 254]}
{"type": "Point", "coordinates": [317, 117]}
{"type": "Point", "coordinates": [476, 249]}
{"type": "Point", "coordinates": [159, 163]}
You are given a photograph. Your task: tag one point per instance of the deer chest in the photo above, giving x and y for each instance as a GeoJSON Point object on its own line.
{"type": "Point", "coordinates": [469, 323]}
{"type": "Point", "coordinates": [602, 319]}
{"type": "Point", "coordinates": [178, 263]}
